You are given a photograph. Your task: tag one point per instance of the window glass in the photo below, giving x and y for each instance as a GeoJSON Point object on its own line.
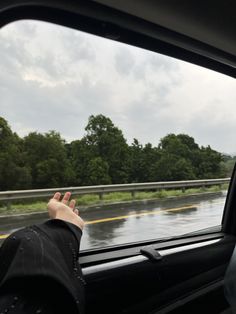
{"type": "Point", "coordinates": [80, 110]}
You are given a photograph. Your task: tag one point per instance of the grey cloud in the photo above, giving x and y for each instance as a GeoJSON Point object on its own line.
{"type": "Point", "coordinates": [27, 29]}
{"type": "Point", "coordinates": [124, 61]}
{"type": "Point", "coordinates": [14, 40]}
{"type": "Point", "coordinates": [54, 66]}
{"type": "Point", "coordinates": [146, 122]}
{"type": "Point", "coordinates": [28, 105]}
{"type": "Point", "coordinates": [13, 54]}
{"type": "Point", "coordinates": [62, 108]}
{"type": "Point", "coordinates": [76, 46]}
{"type": "Point", "coordinates": [160, 62]}
{"type": "Point", "coordinates": [210, 130]}
{"type": "Point", "coordinates": [156, 63]}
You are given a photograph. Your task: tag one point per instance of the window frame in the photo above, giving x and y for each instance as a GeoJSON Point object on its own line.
{"type": "Point", "coordinates": [103, 21]}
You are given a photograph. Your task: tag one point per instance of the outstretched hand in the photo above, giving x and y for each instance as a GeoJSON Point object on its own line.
{"type": "Point", "coordinates": [64, 209]}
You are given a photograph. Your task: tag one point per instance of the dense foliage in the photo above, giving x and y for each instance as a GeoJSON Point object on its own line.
{"type": "Point", "coordinates": [102, 156]}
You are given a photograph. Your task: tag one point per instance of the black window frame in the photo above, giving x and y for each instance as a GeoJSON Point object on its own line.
{"type": "Point", "coordinates": [103, 21]}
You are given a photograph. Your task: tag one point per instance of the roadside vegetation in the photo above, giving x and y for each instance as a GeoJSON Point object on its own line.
{"type": "Point", "coordinates": [109, 198]}
{"type": "Point", "coordinates": [102, 156]}
{"type": "Point", "coordinates": [228, 163]}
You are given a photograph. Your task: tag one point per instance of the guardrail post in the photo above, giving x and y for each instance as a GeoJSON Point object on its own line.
{"type": "Point", "coordinates": [100, 196]}
{"type": "Point", "coordinates": [8, 205]}
{"type": "Point", "coordinates": [183, 189]}
{"type": "Point", "coordinates": [133, 194]}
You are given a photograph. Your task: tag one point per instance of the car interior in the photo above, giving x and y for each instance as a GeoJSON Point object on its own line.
{"type": "Point", "coordinates": [182, 274]}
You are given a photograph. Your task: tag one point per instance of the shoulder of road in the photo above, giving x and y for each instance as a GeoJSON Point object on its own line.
{"type": "Point", "coordinates": [41, 214]}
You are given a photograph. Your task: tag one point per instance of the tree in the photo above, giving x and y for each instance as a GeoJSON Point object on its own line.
{"type": "Point", "coordinates": [228, 164]}
{"type": "Point", "coordinates": [181, 151]}
{"type": "Point", "coordinates": [172, 168]}
{"type": "Point", "coordinates": [46, 156]}
{"type": "Point", "coordinates": [107, 141]}
{"type": "Point", "coordinates": [81, 153]}
{"type": "Point", "coordinates": [137, 166]}
{"type": "Point", "coordinates": [102, 156]}
{"type": "Point", "coordinates": [210, 165]}
{"type": "Point", "coordinates": [13, 173]}
{"type": "Point", "coordinates": [141, 161]}
{"type": "Point", "coordinates": [176, 145]}
{"type": "Point", "coordinates": [98, 172]}
{"type": "Point", "coordinates": [151, 156]}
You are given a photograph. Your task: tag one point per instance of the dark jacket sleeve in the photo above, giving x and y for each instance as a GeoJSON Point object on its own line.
{"type": "Point", "coordinates": [39, 270]}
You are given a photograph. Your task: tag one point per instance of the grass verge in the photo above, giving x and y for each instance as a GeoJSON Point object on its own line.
{"type": "Point", "coordinates": [92, 199]}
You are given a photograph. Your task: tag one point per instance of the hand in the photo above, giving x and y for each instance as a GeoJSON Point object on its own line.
{"type": "Point", "coordinates": [64, 209]}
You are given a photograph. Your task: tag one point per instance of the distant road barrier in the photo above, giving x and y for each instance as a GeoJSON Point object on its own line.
{"type": "Point", "coordinates": [8, 196]}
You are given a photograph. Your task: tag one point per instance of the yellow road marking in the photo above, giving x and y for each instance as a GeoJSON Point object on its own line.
{"type": "Point", "coordinates": [139, 215]}
{"type": "Point", "coordinates": [4, 236]}
{"type": "Point", "coordinates": [156, 212]}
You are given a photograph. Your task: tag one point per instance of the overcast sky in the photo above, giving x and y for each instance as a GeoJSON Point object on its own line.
{"type": "Point", "coordinates": [53, 78]}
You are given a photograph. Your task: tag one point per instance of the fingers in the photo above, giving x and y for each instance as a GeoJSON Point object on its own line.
{"type": "Point", "coordinates": [64, 209]}
{"type": "Point", "coordinates": [66, 198]}
{"type": "Point", "coordinates": [66, 201]}
{"type": "Point", "coordinates": [72, 204]}
{"type": "Point", "coordinates": [57, 196]}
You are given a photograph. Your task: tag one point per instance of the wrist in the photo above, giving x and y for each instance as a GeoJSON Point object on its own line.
{"type": "Point", "coordinates": [75, 220]}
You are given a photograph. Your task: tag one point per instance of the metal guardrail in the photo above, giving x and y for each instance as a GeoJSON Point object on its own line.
{"type": "Point", "coordinates": [9, 196]}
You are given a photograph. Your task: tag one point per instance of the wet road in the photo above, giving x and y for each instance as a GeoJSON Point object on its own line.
{"type": "Point", "coordinates": [118, 224]}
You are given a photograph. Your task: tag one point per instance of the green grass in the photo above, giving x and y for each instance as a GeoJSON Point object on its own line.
{"type": "Point", "coordinates": [23, 208]}
{"type": "Point", "coordinates": [92, 199]}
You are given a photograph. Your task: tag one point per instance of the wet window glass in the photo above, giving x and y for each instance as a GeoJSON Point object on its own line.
{"type": "Point", "coordinates": [145, 141]}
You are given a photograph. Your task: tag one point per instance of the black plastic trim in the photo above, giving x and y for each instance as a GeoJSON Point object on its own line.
{"type": "Point", "coordinates": [190, 297]}
{"type": "Point", "coordinates": [229, 214]}
{"type": "Point", "coordinates": [150, 252]}
{"type": "Point", "coordinates": [104, 255]}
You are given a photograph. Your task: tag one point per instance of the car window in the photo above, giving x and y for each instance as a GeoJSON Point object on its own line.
{"type": "Point", "coordinates": [145, 141]}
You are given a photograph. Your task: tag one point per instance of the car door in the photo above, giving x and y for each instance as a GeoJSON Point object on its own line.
{"type": "Point", "coordinates": [174, 274]}
{"type": "Point", "coordinates": [178, 275]}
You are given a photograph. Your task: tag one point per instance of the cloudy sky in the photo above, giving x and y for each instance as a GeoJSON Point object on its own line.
{"type": "Point", "coordinates": [53, 78]}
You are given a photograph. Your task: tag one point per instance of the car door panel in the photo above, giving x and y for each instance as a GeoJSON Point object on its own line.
{"type": "Point", "coordinates": [138, 285]}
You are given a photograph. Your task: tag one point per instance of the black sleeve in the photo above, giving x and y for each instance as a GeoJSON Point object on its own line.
{"type": "Point", "coordinates": [39, 270]}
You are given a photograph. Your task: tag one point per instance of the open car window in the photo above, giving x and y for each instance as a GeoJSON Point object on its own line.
{"type": "Point", "coordinates": [79, 110]}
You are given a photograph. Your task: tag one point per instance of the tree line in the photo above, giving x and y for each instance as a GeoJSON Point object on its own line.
{"type": "Point", "coordinates": [101, 156]}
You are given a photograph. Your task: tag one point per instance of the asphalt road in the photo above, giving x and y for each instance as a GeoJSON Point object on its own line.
{"type": "Point", "coordinates": [120, 223]}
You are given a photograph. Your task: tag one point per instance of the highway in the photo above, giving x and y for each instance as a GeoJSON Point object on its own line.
{"type": "Point", "coordinates": [124, 223]}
